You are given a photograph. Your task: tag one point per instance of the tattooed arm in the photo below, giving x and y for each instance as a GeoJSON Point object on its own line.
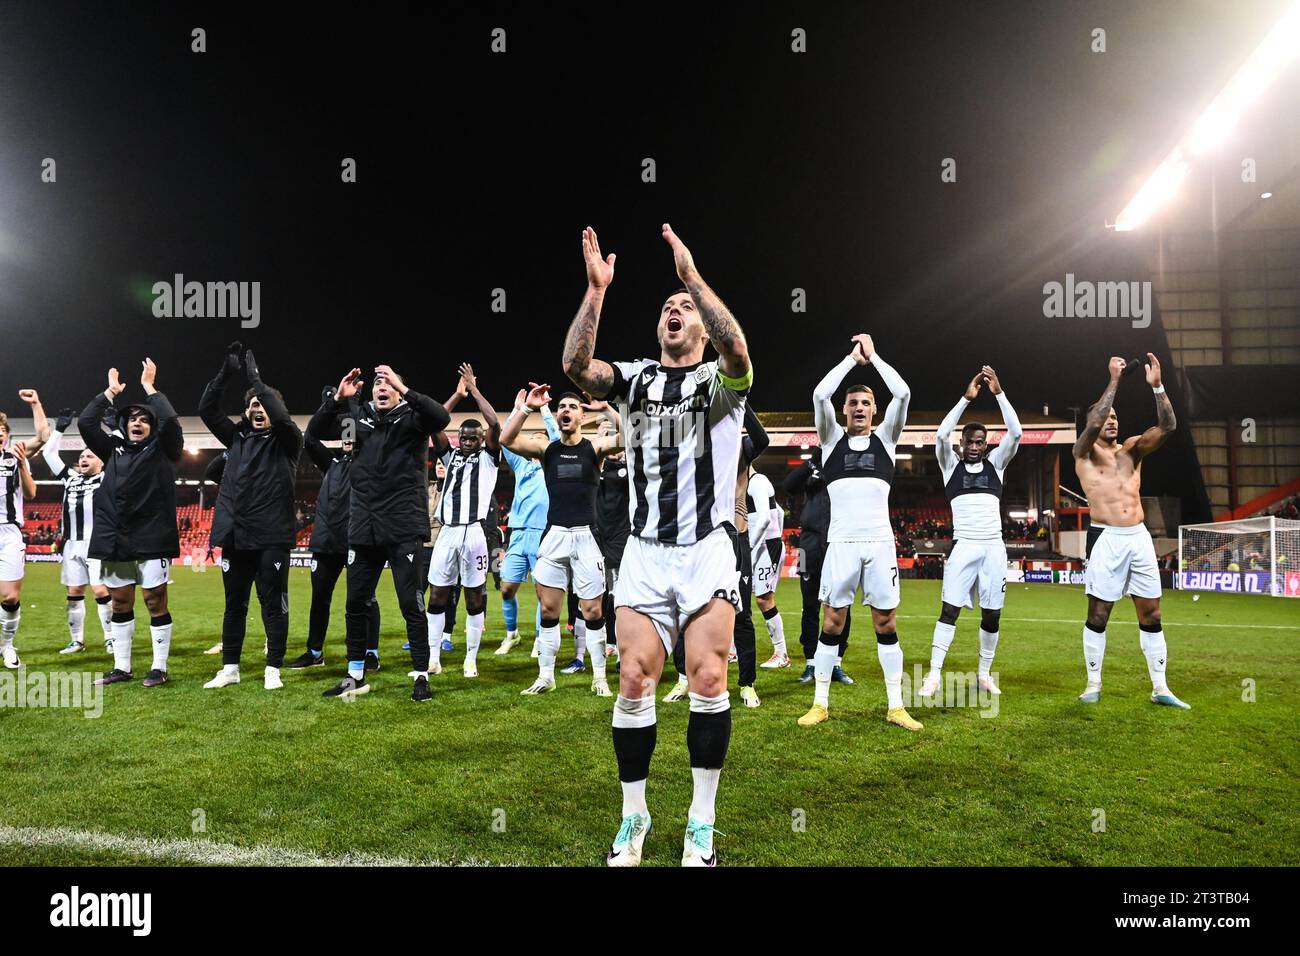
{"type": "Point", "coordinates": [724, 331]}
{"type": "Point", "coordinates": [1166, 422]}
{"type": "Point", "coordinates": [1099, 412]}
{"type": "Point", "coordinates": [588, 373]}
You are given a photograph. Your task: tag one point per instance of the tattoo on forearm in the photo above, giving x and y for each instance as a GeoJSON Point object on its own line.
{"type": "Point", "coordinates": [724, 331]}
{"type": "Point", "coordinates": [1097, 417]}
{"type": "Point", "coordinates": [580, 344]}
{"type": "Point", "coordinates": [1165, 413]}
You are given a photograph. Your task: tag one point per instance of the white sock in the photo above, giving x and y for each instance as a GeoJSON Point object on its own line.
{"type": "Point", "coordinates": [435, 636]}
{"type": "Point", "coordinates": [106, 619]}
{"type": "Point", "coordinates": [776, 631]}
{"type": "Point", "coordinates": [123, 633]}
{"type": "Point", "coordinates": [631, 713]}
{"type": "Point", "coordinates": [891, 662]}
{"type": "Point", "coordinates": [634, 798]}
{"type": "Point", "coordinates": [1094, 649]}
{"type": "Point", "coordinates": [9, 625]}
{"type": "Point", "coordinates": [988, 645]}
{"type": "Point", "coordinates": [473, 636]}
{"type": "Point", "coordinates": [596, 650]}
{"type": "Point", "coordinates": [823, 663]}
{"type": "Point", "coordinates": [77, 620]}
{"type": "Point", "coordinates": [942, 640]}
{"type": "Point", "coordinates": [579, 638]}
{"type": "Point", "coordinates": [230, 668]}
{"type": "Point", "coordinates": [1156, 653]}
{"type": "Point", "coordinates": [548, 645]}
{"type": "Point", "coordinates": [162, 644]}
{"type": "Point", "coordinates": [705, 794]}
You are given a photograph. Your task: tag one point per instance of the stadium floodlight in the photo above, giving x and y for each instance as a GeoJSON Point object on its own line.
{"type": "Point", "coordinates": [1216, 123]}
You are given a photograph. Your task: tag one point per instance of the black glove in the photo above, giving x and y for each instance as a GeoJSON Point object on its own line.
{"type": "Point", "coordinates": [250, 368]}
{"type": "Point", "coordinates": [327, 394]}
{"type": "Point", "coordinates": [66, 415]}
{"type": "Point", "coordinates": [230, 364]}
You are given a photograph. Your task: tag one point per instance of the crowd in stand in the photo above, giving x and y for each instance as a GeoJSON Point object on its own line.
{"type": "Point", "coordinates": [1289, 509]}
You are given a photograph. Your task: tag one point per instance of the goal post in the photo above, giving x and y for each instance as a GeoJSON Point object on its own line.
{"type": "Point", "coordinates": [1250, 556]}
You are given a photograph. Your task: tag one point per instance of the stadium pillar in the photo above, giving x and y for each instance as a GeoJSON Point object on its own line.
{"type": "Point", "coordinates": [1056, 505]}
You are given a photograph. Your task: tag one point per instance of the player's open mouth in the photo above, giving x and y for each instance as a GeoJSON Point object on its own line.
{"type": "Point", "coordinates": [674, 324]}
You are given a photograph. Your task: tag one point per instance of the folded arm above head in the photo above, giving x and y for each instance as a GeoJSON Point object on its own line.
{"type": "Point", "coordinates": [171, 437]}
{"type": "Point", "coordinates": [1166, 421]}
{"type": "Point", "coordinates": [891, 427]}
{"type": "Point", "coordinates": [828, 425]}
{"type": "Point", "coordinates": [88, 423]}
{"type": "Point", "coordinates": [1001, 456]}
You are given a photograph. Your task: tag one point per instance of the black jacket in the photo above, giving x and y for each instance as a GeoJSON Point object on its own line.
{"type": "Point", "coordinates": [815, 518]}
{"type": "Point", "coordinates": [329, 535]}
{"type": "Point", "coordinates": [255, 500]}
{"type": "Point", "coordinates": [390, 465]}
{"type": "Point", "coordinates": [135, 507]}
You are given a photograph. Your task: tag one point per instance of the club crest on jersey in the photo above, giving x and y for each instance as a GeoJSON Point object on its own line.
{"type": "Point", "coordinates": [225, 564]}
{"type": "Point", "coordinates": [702, 374]}
{"type": "Point", "coordinates": [313, 564]}
{"type": "Point", "coordinates": [352, 555]}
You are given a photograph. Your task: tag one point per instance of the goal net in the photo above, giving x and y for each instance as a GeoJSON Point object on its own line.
{"type": "Point", "coordinates": [1251, 556]}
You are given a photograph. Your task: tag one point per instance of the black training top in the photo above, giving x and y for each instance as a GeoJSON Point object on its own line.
{"type": "Point", "coordinates": [571, 476]}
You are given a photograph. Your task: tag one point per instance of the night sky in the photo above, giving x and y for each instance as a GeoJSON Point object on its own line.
{"type": "Point", "coordinates": [477, 171]}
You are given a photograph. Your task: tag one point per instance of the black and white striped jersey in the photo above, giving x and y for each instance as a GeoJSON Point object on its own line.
{"type": "Point", "coordinates": [467, 489]}
{"type": "Point", "coordinates": [78, 493]}
{"type": "Point", "coordinates": [11, 489]}
{"type": "Point", "coordinates": [682, 430]}
{"type": "Point", "coordinates": [79, 504]}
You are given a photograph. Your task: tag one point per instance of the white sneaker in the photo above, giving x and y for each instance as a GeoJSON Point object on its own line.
{"type": "Point", "coordinates": [539, 686]}
{"type": "Point", "coordinates": [224, 678]}
{"type": "Point", "coordinates": [626, 848]}
{"type": "Point", "coordinates": [697, 847]}
{"type": "Point", "coordinates": [749, 696]}
{"type": "Point", "coordinates": [507, 645]}
{"type": "Point", "coordinates": [601, 688]}
{"type": "Point", "coordinates": [11, 658]}
{"type": "Point", "coordinates": [73, 647]}
{"type": "Point", "coordinates": [677, 693]}
{"type": "Point", "coordinates": [271, 681]}
{"type": "Point", "coordinates": [776, 661]}
{"type": "Point", "coordinates": [214, 649]}
{"type": "Point", "coordinates": [986, 684]}
{"type": "Point", "coordinates": [470, 669]}
{"type": "Point", "coordinates": [929, 687]}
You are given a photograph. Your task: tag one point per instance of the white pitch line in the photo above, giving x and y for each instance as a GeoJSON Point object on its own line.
{"type": "Point", "coordinates": [204, 852]}
{"type": "Point", "coordinates": [1079, 620]}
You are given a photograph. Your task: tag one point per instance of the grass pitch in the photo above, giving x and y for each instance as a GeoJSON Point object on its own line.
{"type": "Point", "coordinates": [483, 775]}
